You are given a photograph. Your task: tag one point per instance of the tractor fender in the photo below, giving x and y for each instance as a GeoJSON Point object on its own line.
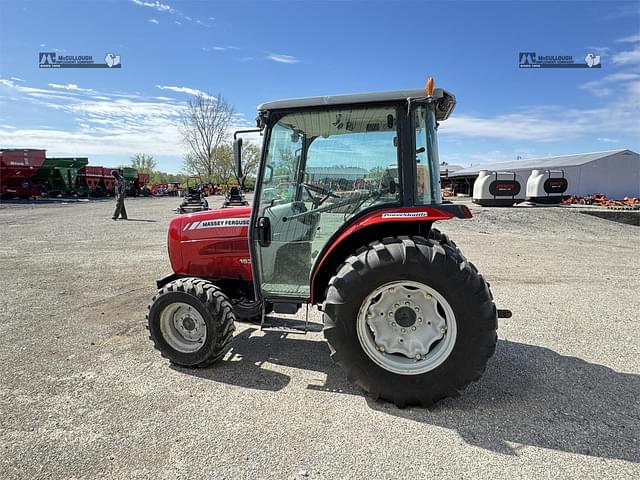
{"type": "Point", "coordinates": [375, 225]}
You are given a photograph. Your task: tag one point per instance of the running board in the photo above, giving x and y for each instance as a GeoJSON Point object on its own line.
{"type": "Point", "coordinates": [289, 325]}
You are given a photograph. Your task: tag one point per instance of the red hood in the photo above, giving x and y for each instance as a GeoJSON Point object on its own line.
{"type": "Point", "coordinates": [221, 222]}
{"type": "Point", "coordinates": [217, 214]}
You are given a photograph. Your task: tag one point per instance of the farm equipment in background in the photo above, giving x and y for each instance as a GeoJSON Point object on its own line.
{"type": "Point", "coordinates": [194, 199]}
{"type": "Point", "coordinates": [406, 315]}
{"type": "Point", "coordinates": [141, 184]}
{"type": "Point", "coordinates": [108, 182]}
{"type": "Point", "coordinates": [603, 201]}
{"type": "Point", "coordinates": [29, 173]}
{"type": "Point", "coordinates": [130, 176]}
{"type": "Point", "coordinates": [58, 176]}
{"type": "Point", "coordinates": [17, 169]}
{"type": "Point", "coordinates": [90, 181]}
{"type": "Point", "coordinates": [235, 198]}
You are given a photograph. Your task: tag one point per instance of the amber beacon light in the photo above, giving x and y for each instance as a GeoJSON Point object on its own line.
{"type": "Point", "coordinates": [431, 85]}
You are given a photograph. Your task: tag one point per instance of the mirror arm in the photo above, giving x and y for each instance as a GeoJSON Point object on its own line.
{"type": "Point", "coordinates": [250, 130]}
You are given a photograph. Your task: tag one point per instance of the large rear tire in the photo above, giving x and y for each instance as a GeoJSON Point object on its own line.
{"type": "Point", "coordinates": [190, 322]}
{"type": "Point", "coordinates": [410, 320]}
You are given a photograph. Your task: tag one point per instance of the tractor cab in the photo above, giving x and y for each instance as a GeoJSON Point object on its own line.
{"type": "Point", "coordinates": [327, 161]}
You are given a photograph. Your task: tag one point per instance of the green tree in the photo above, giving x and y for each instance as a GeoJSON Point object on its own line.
{"type": "Point", "coordinates": [250, 162]}
{"type": "Point", "coordinates": [223, 165]}
{"type": "Point", "coordinates": [143, 163]}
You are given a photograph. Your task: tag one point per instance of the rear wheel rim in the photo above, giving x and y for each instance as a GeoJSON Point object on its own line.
{"type": "Point", "coordinates": [183, 327]}
{"type": "Point", "coordinates": [406, 327]}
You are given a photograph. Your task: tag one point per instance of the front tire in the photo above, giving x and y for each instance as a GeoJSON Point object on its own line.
{"type": "Point", "coordinates": [190, 322]}
{"type": "Point", "coordinates": [410, 320]}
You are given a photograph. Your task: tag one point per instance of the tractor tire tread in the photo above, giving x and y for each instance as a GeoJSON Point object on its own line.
{"type": "Point", "coordinates": [217, 306]}
{"type": "Point", "coordinates": [476, 346]}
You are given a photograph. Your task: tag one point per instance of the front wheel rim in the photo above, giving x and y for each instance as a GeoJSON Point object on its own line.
{"type": "Point", "coordinates": [183, 327]}
{"type": "Point", "coordinates": [406, 327]}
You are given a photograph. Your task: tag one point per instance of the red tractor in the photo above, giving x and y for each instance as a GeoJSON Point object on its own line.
{"type": "Point", "coordinates": [405, 314]}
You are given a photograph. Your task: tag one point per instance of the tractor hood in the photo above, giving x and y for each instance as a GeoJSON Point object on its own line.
{"type": "Point", "coordinates": [211, 244]}
{"type": "Point", "coordinates": [221, 222]}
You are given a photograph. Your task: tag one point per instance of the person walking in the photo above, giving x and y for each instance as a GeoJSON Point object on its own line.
{"type": "Point", "coordinates": [121, 193]}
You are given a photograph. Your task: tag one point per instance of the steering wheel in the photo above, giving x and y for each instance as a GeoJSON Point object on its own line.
{"type": "Point", "coordinates": [321, 190]}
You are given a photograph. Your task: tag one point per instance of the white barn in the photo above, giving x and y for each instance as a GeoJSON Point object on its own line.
{"type": "Point", "coordinates": [616, 173]}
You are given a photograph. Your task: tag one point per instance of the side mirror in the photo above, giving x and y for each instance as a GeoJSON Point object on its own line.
{"type": "Point", "coordinates": [237, 156]}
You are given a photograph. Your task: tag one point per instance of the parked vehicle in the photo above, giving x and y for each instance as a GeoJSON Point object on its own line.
{"type": "Point", "coordinates": [406, 315]}
{"type": "Point", "coordinates": [17, 169]}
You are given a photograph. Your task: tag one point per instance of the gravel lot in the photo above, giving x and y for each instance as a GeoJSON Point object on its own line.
{"type": "Point", "coordinates": [84, 395]}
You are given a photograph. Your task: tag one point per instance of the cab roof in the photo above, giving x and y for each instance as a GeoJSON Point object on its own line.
{"type": "Point", "coordinates": [446, 101]}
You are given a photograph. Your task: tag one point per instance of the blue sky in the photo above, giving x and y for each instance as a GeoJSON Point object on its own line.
{"type": "Point", "coordinates": [254, 52]}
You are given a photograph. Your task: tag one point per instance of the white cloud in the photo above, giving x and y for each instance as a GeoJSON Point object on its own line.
{"type": "Point", "coordinates": [608, 140]}
{"type": "Point", "coordinates": [630, 38]}
{"type": "Point", "coordinates": [70, 86]}
{"type": "Point", "coordinates": [159, 6]}
{"type": "Point", "coordinates": [166, 8]}
{"type": "Point", "coordinates": [627, 57]}
{"type": "Point", "coordinates": [153, 20]}
{"type": "Point", "coordinates": [276, 57]}
{"type": "Point", "coordinates": [187, 90]}
{"type": "Point", "coordinates": [17, 79]}
{"type": "Point", "coordinates": [103, 123]}
{"type": "Point", "coordinates": [609, 83]}
{"type": "Point", "coordinates": [212, 18]}
{"type": "Point", "coordinates": [177, 22]}
{"type": "Point", "coordinates": [625, 10]}
{"type": "Point", "coordinates": [220, 49]}
{"type": "Point", "coordinates": [551, 124]}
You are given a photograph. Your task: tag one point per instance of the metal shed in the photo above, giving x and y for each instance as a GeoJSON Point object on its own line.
{"type": "Point", "coordinates": [615, 173]}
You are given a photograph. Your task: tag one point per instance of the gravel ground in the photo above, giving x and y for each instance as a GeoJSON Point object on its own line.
{"type": "Point", "coordinates": [84, 395]}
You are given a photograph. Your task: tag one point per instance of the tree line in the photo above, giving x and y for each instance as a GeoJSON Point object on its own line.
{"type": "Point", "coordinates": [206, 132]}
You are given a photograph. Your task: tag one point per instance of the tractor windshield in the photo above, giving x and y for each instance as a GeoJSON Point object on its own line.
{"type": "Point", "coordinates": [427, 163]}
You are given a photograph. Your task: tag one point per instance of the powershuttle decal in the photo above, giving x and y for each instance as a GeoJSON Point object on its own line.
{"type": "Point", "coordinates": [405, 214]}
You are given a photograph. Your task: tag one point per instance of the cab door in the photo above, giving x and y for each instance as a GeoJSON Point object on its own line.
{"type": "Point", "coordinates": [320, 168]}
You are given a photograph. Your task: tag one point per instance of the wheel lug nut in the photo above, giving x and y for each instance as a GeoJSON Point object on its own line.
{"type": "Point", "coordinates": [391, 314]}
{"type": "Point", "coordinates": [418, 356]}
{"type": "Point", "coordinates": [419, 319]}
{"type": "Point", "coordinates": [381, 348]}
{"type": "Point", "coordinates": [407, 303]}
{"type": "Point", "coordinates": [397, 305]}
{"type": "Point", "coordinates": [393, 324]}
{"type": "Point", "coordinates": [413, 329]}
{"type": "Point", "coordinates": [443, 331]}
{"type": "Point", "coordinates": [392, 290]}
{"type": "Point", "coordinates": [403, 330]}
{"type": "Point", "coordinates": [417, 309]}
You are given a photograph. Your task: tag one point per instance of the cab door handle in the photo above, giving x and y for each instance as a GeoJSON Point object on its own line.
{"type": "Point", "coordinates": [263, 231]}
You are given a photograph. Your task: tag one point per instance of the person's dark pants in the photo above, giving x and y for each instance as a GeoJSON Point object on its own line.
{"type": "Point", "coordinates": [121, 210]}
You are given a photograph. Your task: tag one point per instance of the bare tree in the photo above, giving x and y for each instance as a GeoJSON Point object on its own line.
{"type": "Point", "coordinates": [204, 128]}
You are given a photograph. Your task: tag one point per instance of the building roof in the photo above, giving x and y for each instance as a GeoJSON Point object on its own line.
{"type": "Point", "coordinates": [440, 94]}
{"type": "Point", "coordinates": [541, 163]}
